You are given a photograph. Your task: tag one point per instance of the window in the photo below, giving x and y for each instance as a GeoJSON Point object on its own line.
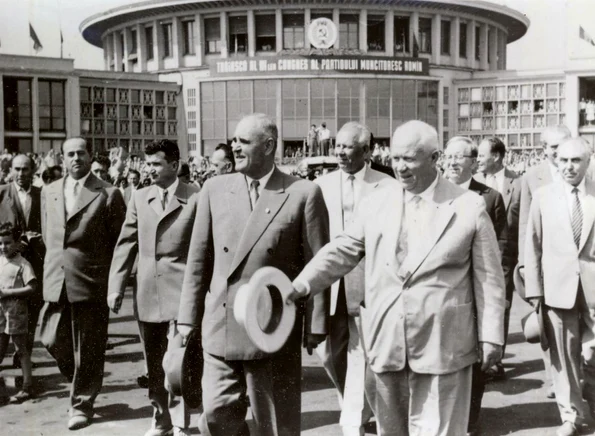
{"type": "Point", "coordinates": [265, 97]}
{"type": "Point", "coordinates": [295, 107]}
{"type": "Point", "coordinates": [293, 31]}
{"type": "Point", "coordinates": [189, 39]}
{"type": "Point", "coordinates": [149, 42]}
{"type": "Point", "coordinates": [239, 103]}
{"type": "Point", "coordinates": [477, 42]}
{"type": "Point", "coordinates": [212, 35]}
{"type": "Point", "coordinates": [348, 100]}
{"type": "Point", "coordinates": [17, 104]}
{"type": "Point", "coordinates": [463, 40]}
{"type": "Point", "coordinates": [425, 35]}
{"type": "Point", "coordinates": [322, 103]}
{"type": "Point", "coordinates": [212, 103]}
{"type": "Point", "coordinates": [192, 119]}
{"type": "Point", "coordinates": [191, 97]}
{"type": "Point", "coordinates": [378, 107]}
{"type": "Point", "coordinates": [265, 32]}
{"type": "Point", "coordinates": [168, 42]}
{"type": "Point", "coordinates": [376, 32]}
{"type": "Point", "coordinates": [238, 35]}
{"type": "Point", "coordinates": [427, 102]}
{"type": "Point", "coordinates": [133, 42]}
{"type": "Point", "coordinates": [349, 31]}
{"type": "Point", "coordinates": [401, 35]}
{"type": "Point", "coordinates": [403, 101]}
{"type": "Point", "coordinates": [445, 37]}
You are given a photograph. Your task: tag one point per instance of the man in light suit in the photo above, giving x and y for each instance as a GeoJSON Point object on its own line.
{"type": "Point", "coordinates": [560, 270]}
{"type": "Point", "coordinates": [541, 175]}
{"type": "Point", "coordinates": [81, 217]}
{"type": "Point", "coordinates": [434, 288]}
{"type": "Point", "coordinates": [341, 353]}
{"type": "Point", "coordinates": [158, 228]}
{"type": "Point", "coordinates": [20, 204]}
{"type": "Point", "coordinates": [133, 184]}
{"type": "Point", "coordinates": [256, 217]}
{"type": "Point", "coordinates": [491, 172]}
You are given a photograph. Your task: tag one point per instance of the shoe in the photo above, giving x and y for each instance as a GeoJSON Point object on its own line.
{"type": "Point", "coordinates": [159, 432]}
{"type": "Point", "coordinates": [495, 373]}
{"type": "Point", "coordinates": [567, 429]}
{"type": "Point", "coordinates": [143, 381]}
{"type": "Point", "coordinates": [179, 431]}
{"type": "Point", "coordinates": [78, 421]}
{"type": "Point", "coordinates": [20, 397]}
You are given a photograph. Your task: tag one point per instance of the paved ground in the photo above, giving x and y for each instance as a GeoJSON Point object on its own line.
{"type": "Point", "coordinates": [517, 406]}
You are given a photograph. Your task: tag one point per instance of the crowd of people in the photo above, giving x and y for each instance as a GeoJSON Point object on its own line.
{"type": "Point", "coordinates": [403, 263]}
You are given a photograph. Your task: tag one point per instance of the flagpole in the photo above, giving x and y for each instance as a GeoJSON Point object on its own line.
{"type": "Point", "coordinates": [61, 35]}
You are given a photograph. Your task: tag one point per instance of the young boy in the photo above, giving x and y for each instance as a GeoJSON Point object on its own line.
{"type": "Point", "coordinates": [17, 281]}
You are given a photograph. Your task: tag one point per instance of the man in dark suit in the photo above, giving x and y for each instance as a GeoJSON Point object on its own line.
{"type": "Point", "coordinates": [20, 204]}
{"type": "Point", "coordinates": [256, 217]}
{"type": "Point", "coordinates": [461, 157]}
{"type": "Point", "coordinates": [159, 231]}
{"type": "Point", "coordinates": [81, 217]}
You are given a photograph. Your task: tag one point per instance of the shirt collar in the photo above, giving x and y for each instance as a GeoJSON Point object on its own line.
{"type": "Point", "coordinates": [359, 176]}
{"type": "Point", "coordinates": [427, 195]}
{"type": "Point", "coordinates": [465, 185]}
{"type": "Point", "coordinates": [70, 181]}
{"type": "Point", "coordinates": [499, 174]}
{"type": "Point", "coordinates": [19, 189]}
{"type": "Point", "coordinates": [262, 181]}
{"type": "Point", "coordinates": [581, 188]}
{"type": "Point", "coordinates": [171, 189]}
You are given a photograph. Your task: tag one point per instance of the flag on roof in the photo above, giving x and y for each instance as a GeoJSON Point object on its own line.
{"type": "Point", "coordinates": [36, 42]}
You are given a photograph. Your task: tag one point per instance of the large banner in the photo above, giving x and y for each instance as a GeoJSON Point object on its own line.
{"type": "Point", "coordinates": [319, 65]}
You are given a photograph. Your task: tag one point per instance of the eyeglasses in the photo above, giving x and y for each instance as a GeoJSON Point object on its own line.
{"type": "Point", "coordinates": [456, 157]}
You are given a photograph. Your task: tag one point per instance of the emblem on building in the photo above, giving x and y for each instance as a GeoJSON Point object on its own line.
{"type": "Point", "coordinates": [322, 33]}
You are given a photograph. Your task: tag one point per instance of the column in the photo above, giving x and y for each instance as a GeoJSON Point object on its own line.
{"type": "Point", "coordinates": [178, 42]}
{"type": "Point", "coordinates": [2, 108]}
{"type": "Point", "coordinates": [224, 42]}
{"type": "Point", "coordinates": [363, 30]}
{"type": "Point", "coordinates": [389, 33]}
{"type": "Point", "coordinates": [72, 107]}
{"type": "Point", "coordinates": [337, 21]}
{"type": "Point", "coordinates": [108, 51]}
{"type": "Point", "coordinates": [117, 51]}
{"type": "Point", "coordinates": [279, 118]}
{"type": "Point", "coordinates": [502, 40]}
{"type": "Point", "coordinates": [158, 44]}
{"type": "Point", "coordinates": [199, 146]}
{"type": "Point", "coordinates": [493, 48]}
{"type": "Point", "coordinates": [455, 41]}
{"type": "Point", "coordinates": [436, 41]}
{"type": "Point", "coordinates": [35, 112]}
{"type": "Point", "coordinates": [127, 47]}
{"type": "Point", "coordinates": [199, 28]}
{"type": "Point", "coordinates": [471, 59]}
{"type": "Point", "coordinates": [278, 31]}
{"type": "Point", "coordinates": [483, 47]}
{"type": "Point", "coordinates": [413, 32]}
{"type": "Point", "coordinates": [307, 20]}
{"type": "Point", "coordinates": [572, 103]}
{"type": "Point", "coordinates": [141, 47]}
{"type": "Point", "coordinates": [251, 33]}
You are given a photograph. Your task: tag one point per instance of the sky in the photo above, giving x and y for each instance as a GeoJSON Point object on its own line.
{"type": "Point", "coordinates": [545, 46]}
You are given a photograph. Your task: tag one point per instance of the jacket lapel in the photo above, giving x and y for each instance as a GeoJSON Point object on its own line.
{"type": "Point", "coordinates": [16, 205]}
{"type": "Point", "coordinates": [508, 188]}
{"type": "Point", "coordinates": [89, 192]}
{"type": "Point", "coordinates": [588, 212]}
{"type": "Point", "coordinates": [154, 200]}
{"type": "Point", "coordinates": [55, 195]}
{"type": "Point", "coordinates": [176, 202]}
{"type": "Point", "coordinates": [271, 199]}
{"type": "Point", "coordinates": [392, 224]}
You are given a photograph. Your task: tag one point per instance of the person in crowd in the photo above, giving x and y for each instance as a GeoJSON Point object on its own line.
{"type": "Point", "coordinates": [20, 204]}
{"type": "Point", "coordinates": [158, 228]}
{"type": "Point", "coordinates": [312, 141]}
{"type": "Point", "coordinates": [100, 168]}
{"type": "Point", "coordinates": [222, 161]}
{"type": "Point", "coordinates": [81, 217]}
{"type": "Point", "coordinates": [324, 139]}
{"type": "Point", "coordinates": [341, 353]}
{"type": "Point", "coordinates": [147, 182]}
{"type": "Point", "coordinates": [17, 282]}
{"type": "Point", "coordinates": [133, 184]}
{"type": "Point", "coordinates": [376, 156]}
{"type": "Point", "coordinates": [492, 172]}
{"type": "Point", "coordinates": [421, 336]}
{"type": "Point", "coordinates": [184, 172]}
{"type": "Point", "coordinates": [460, 157]}
{"type": "Point", "coordinates": [256, 217]}
{"type": "Point", "coordinates": [560, 272]}
{"type": "Point", "coordinates": [379, 166]}
{"type": "Point", "coordinates": [543, 174]}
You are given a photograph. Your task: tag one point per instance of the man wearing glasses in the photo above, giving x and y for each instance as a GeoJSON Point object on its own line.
{"type": "Point", "coordinates": [461, 158]}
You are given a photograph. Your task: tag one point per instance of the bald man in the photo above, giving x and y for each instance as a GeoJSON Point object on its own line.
{"type": "Point", "coordinates": [434, 289]}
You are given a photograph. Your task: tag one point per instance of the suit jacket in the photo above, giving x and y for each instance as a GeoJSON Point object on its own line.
{"type": "Point", "coordinates": [230, 243]}
{"type": "Point", "coordinates": [553, 263]}
{"type": "Point", "coordinates": [382, 169]}
{"type": "Point", "coordinates": [11, 211]}
{"type": "Point", "coordinates": [429, 311]}
{"type": "Point", "coordinates": [161, 239]}
{"type": "Point", "coordinates": [80, 248]}
{"type": "Point", "coordinates": [332, 192]}
{"type": "Point", "coordinates": [496, 211]}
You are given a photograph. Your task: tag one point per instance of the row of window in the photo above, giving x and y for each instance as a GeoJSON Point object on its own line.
{"type": "Point", "coordinates": [294, 37]}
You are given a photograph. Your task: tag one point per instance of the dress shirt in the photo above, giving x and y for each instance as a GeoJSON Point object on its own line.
{"type": "Point", "coordinates": [324, 133]}
{"type": "Point", "coordinates": [262, 181]}
{"type": "Point", "coordinates": [466, 184]}
{"type": "Point", "coordinates": [419, 215]}
{"type": "Point", "coordinates": [568, 188]}
{"type": "Point", "coordinates": [69, 200]}
{"type": "Point", "coordinates": [171, 190]}
{"type": "Point", "coordinates": [358, 180]}
{"type": "Point", "coordinates": [25, 200]}
{"type": "Point", "coordinates": [499, 180]}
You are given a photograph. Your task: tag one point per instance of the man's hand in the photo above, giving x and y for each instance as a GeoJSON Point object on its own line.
{"type": "Point", "coordinates": [534, 301]}
{"type": "Point", "coordinates": [489, 354]}
{"type": "Point", "coordinates": [522, 272]}
{"type": "Point", "coordinates": [312, 340]}
{"type": "Point", "coordinates": [296, 295]}
{"type": "Point", "coordinates": [114, 301]}
{"type": "Point", "coordinates": [184, 331]}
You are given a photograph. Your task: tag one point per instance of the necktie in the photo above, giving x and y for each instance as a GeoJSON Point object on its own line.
{"type": "Point", "coordinates": [164, 200]}
{"type": "Point", "coordinates": [491, 181]}
{"type": "Point", "coordinates": [348, 201]}
{"type": "Point", "coordinates": [254, 192]}
{"type": "Point", "coordinates": [71, 198]}
{"type": "Point", "coordinates": [577, 218]}
{"type": "Point", "coordinates": [409, 223]}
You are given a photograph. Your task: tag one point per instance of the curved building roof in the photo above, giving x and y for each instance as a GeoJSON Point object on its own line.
{"type": "Point", "coordinates": [95, 26]}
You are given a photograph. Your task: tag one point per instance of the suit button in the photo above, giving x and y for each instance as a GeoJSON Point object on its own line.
{"type": "Point", "coordinates": [62, 267]}
{"type": "Point", "coordinates": [225, 249]}
{"type": "Point", "coordinates": [224, 304]}
{"type": "Point", "coordinates": [270, 251]}
{"type": "Point", "coordinates": [158, 257]}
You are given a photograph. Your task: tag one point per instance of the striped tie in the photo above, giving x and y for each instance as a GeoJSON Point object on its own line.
{"type": "Point", "coordinates": [577, 218]}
